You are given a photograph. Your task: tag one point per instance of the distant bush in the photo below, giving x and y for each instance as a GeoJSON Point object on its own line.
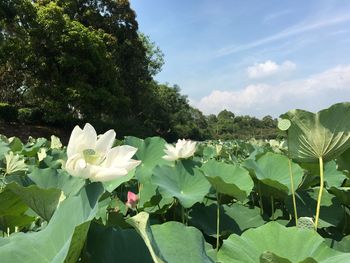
{"type": "Point", "coordinates": [8, 112]}
{"type": "Point", "coordinates": [30, 115]}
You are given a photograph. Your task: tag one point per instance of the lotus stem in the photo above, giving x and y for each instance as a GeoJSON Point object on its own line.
{"type": "Point", "coordinates": [319, 193]}
{"type": "Point", "coordinates": [273, 208]}
{"type": "Point", "coordinates": [293, 193]}
{"type": "Point", "coordinates": [260, 200]}
{"type": "Point", "coordinates": [139, 193]}
{"type": "Point", "coordinates": [217, 222]}
{"type": "Point", "coordinates": [183, 214]}
{"type": "Point", "coordinates": [345, 221]}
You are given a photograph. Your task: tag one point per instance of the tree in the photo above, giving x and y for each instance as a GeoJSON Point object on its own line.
{"type": "Point", "coordinates": [225, 123]}
{"type": "Point", "coordinates": [171, 116]}
{"type": "Point", "coordinates": [88, 52]}
{"type": "Point", "coordinates": [269, 122]}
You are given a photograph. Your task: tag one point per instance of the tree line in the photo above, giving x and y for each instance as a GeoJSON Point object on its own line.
{"type": "Point", "coordinates": [65, 62]}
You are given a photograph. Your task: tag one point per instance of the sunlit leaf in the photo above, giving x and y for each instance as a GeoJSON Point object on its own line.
{"type": "Point", "coordinates": [325, 134]}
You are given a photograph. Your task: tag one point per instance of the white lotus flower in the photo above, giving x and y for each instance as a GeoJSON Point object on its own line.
{"type": "Point", "coordinates": [183, 149]}
{"type": "Point", "coordinates": [91, 156]}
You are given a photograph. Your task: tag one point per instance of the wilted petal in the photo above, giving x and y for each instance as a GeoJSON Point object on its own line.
{"type": "Point", "coordinates": [105, 142]}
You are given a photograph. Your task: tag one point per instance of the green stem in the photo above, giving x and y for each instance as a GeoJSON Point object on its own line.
{"type": "Point", "coordinates": [260, 200]}
{"type": "Point", "coordinates": [174, 208]}
{"type": "Point", "coordinates": [217, 222]}
{"type": "Point", "coordinates": [273, 208]}
{"type": "Point", "coordinates": [345, 223]}
{"type": "Point", "coordinates": [293, 192]}
{"type": "Point", "coordinates": [320, 192]}
{"type": "Point", "coordinates": [183, 214]}
{"type": "Point", "coordinates": [139, 193]}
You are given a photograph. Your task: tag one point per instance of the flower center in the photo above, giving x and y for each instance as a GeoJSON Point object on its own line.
{"type": "Point", "coordinates": [91, 156]}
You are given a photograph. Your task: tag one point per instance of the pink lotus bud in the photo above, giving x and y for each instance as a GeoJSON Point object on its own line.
{"type": "Point", "coordinates": [132, 200]}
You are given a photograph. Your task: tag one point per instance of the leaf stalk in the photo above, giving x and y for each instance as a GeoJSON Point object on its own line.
{"type": "Point", "coordinates": [319, 193]}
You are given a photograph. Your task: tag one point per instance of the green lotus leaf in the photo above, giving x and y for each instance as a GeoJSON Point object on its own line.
{"type": "Point", "coordinates": [343, 161]}
{"type": "Point", "coordinates": [52, 244]}
{"type": "Point", "coordinates": [77, 243]}
{"type": "Point", "coordinates": [188, 188]}
{"type": "Point", "coordinates": [52, 178]}
{"type": "Point", "coordinates": [15, 144]}
{"type": "Point", "coordinates": [109, 245]}
{"type": "Point", "coordinates": [43, 201]}
{"type": "Point", "coordinates": [343, 245]}
{"type": "Point", "coordinates": [31, 149]}
{"type": "Point", "coordinates": [269, 257]}
{"type": "Point", "coordinates": [111, 185]}
{"type": "Point", "coordinates": [233, 219]}
{"type": "Point", "coordinates": [4, 148]}
{"type": "Point", "coordinates": [229, 179]}
{"type": "Point", "coordinates": [141, 224]}
{"type": "Point", "coordinates": [293, 244]}
{"type": "Point", "coordinates": [14, 163]}
{"type": "Point", "coordinates": [150, 152]}
{"type": "Point", "coordinates": [171, 241]}
{"type": "Point", "coordinates": [331, 212]}
{"type": "Point", "coordinates": [332, 176]}
{"type": "Point", "coordinates": [209, 152]}
{"type": "Point", "coordinates": [325, 134]}
{"type": "Point", "coordinates": [342, 193]}
{"type": "Point", "coordinates": [12, 211]}
{"type": "Point", "coordinates": [180, 243]}
{"type": "Point", "coordinates": [272, 173]}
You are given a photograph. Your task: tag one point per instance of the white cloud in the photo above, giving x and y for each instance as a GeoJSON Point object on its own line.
{"type": "Point", "coordinates": [269, 68]}
{"type": "Point", "coordinates": [312, 93]}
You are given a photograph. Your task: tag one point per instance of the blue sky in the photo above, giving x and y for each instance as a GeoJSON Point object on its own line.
{"type": "Point", "coordinates": [252, 57]}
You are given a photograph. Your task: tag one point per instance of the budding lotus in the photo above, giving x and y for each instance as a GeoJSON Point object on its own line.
{"type": "Point", "coordinates": [132, 200]}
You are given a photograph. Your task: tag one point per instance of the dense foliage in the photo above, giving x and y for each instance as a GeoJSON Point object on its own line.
{"type": "Point", "coordinates": [68, 62]}
{"type": "Point", "coordinates": [82, 59]}
{"type": "Point", "coordinates": [233, 201]}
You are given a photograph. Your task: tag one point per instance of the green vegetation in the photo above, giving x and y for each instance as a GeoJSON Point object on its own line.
{"type": "Point", "coordinates": [222, 201]}
{"type": "Point", "coordinates": [66, 62]}
{"type": "Point", "coordinates": [246, 192]}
